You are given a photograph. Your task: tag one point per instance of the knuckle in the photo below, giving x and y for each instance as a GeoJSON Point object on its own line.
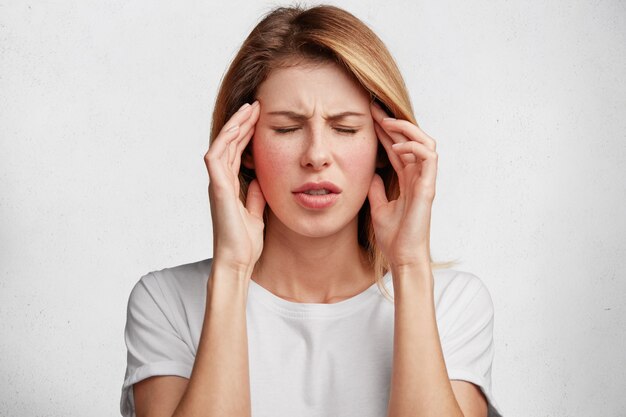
{"type": "Point", "coordinates": [211, 166]}
{"type": "Point", "coordinates": [210, 157]}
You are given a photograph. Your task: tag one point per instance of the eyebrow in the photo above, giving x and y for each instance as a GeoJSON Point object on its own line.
{"type": "Point", "coordinates": [301, 117]}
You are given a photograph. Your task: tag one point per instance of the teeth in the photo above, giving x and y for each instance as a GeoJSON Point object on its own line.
{"type": "Point", "coordinates": [317, 192]}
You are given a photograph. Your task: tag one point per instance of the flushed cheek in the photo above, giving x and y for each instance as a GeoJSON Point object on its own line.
{"type": "Point", "coordinates": [271, 163]}
{"type": "Point", "coordinates": [359, 162]}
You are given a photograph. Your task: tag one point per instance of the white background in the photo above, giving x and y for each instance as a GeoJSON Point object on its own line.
{"type": "Point", "coordinates": [104, 121]}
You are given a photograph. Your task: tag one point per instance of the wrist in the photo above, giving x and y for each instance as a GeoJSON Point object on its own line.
{"type": "Point", "coordinates": [233, 269]}
{"type": "Point", "coordinates": [414, 276]}
{"type": "Point", "coordinates": [417, 258]}
{"type": "Point", "coordinates": [411, 266]}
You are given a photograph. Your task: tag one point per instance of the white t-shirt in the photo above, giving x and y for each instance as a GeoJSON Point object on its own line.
{"type": "Point", "coordinates": [306, 359]}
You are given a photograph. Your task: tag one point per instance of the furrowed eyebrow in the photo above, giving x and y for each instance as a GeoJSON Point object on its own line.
{"type": "Point", "coordinates": [301, 117]}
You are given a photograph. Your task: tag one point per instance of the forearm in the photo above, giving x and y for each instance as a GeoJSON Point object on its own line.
{"type": "Point", "coordinates": [419, 382]}
{"type": "Point", "coordinates": [220, 380]}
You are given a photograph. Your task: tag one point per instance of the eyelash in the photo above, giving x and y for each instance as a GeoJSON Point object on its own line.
{"type": "Point", "coordinates": [293, 129]}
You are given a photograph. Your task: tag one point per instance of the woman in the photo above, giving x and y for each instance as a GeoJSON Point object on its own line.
{"type": "Point", "coordinates": [317, 196]}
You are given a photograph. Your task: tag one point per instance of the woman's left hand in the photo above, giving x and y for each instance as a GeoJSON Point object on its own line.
{"type": "Point", "coordinates": [402, 226]}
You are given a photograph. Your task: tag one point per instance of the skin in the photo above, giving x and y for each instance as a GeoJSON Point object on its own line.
{"type": "Point", "coordinates": [314, 125]}
{"type": "Point", "coordinates": [315, 254]}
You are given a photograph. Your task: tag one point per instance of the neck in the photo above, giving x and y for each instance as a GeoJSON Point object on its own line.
{"type": "Point", "coordinates": [313, 269]}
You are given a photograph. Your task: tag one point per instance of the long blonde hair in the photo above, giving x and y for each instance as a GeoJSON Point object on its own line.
{"type": "Point", "coordinates": [289, 35]}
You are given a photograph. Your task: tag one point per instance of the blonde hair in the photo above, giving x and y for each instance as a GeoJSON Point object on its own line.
{"type": "Point", "coordinates": [291, 35]}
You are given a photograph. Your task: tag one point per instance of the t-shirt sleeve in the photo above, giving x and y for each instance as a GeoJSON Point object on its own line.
{"type": "Point", "coordinates": [154, 346]}
{"type": "Point", "coordinates": [467, 343]}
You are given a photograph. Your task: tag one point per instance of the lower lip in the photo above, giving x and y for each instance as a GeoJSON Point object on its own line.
{"type": "Point", "coordinates": [311, 201]}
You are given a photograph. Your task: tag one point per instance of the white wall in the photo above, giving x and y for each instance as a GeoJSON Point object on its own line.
{"type": "Point", "coordinates": [104, 120]}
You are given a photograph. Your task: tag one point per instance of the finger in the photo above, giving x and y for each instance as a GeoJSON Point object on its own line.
{"type": "Point", "coordinates": [427, 157]}
{"type": "Point", "coordinates": [408, 158]}
{"type": "Point", "coordinates": [403, 129]}
{"type": "Point", "coordinates": [387, 143]}
{"type": "Point", "coordinates": [229, 131]}
{"type": "Point", "coordinates": [255, 200]}
{"type": "Point", "coordinates": [221, 176]}
{"type": "Point", "coordinates": [235, 148]}
{"type": "Point", "coordinates": [412, 147]}
{"type": "Point", "coordinates": [378, 113]}
{"type": "Point", "coordinates": [376, 193]}
{"type": "Point", "coordinates": [220, 143]}
{"type": "Point", "coordinates": [240, 148]}
{"type": "Point", "coordinates": [244, 129]}
{"type": "Point", "coordinates": [239, 117]}
{"type": "Point", "coordinates": [409, 130]}
{"type": "Point", "coordinates": [396, 136]}
{"type": "Point", "coordinates": [245, 140]}
{"type": "Point", "coordinates": [381, 117]}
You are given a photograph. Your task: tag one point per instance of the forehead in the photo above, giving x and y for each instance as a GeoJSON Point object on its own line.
{"type": "Point", "coordinates": [306, 83]}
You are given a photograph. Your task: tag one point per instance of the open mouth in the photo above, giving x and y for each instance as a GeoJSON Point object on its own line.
{"type": "Point", "coordinates": [321, 191]}
{"type": "Point", "coordinates": [318, 195]}
{"type": "Point", "coordinates": [322, 187]}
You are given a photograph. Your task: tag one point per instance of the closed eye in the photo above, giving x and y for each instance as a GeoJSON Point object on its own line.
{"type": "Point", "coordinates": [346, 130]}
{"type": "Point", "coordinates": [285, 129]}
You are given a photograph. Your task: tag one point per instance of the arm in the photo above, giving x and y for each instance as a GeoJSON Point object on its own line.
{"type": "Point", "coordinates": [419, 383]}
{"type": "Point", "coordinates": [219, 384]}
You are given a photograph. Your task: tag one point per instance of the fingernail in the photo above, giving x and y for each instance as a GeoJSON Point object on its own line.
{"type": "Point", "coordinates": [388, 118]}
{"type": "Point", "coordinates": [256, 103]}
{"type": "Point", "coordinates": [243, 107]}
{"type": "Point", "coordinates": [232, 128]}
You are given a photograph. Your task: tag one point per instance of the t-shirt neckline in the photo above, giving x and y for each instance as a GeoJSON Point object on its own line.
{"type": "Point", "coordinates": [313, 310]}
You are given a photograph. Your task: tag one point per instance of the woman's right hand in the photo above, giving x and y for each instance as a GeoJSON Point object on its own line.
{"type": "Point", "coordinates": [237, 230]}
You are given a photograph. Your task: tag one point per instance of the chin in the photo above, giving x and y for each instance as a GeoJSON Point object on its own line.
{"type": "Point", "coordinates": [316, 230]}
{"type": "Point", "coordinates": [320, 227]}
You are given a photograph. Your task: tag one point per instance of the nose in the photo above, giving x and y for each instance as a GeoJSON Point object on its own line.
{"type": "Point", "coordinates": [317, 154]}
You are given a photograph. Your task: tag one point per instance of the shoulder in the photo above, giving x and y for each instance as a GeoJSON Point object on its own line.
{"type": "Point", "coordinates": [453, 284]}
{"type": "Point", "coordinates": [461, 296]}
{"type": "Point", "coordinates": [465, 320]}
{"type": "Point", "coordinates": [176, 284]}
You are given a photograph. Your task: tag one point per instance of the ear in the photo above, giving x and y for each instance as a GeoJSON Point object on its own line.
{"type": "Point", "coordinates": [247, 160]}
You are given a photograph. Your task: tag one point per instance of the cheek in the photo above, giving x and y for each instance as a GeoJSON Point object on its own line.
{"type": "Point", "coordinates": [270, 161]}
{"type": "Point", "coordinates": [360, 159]}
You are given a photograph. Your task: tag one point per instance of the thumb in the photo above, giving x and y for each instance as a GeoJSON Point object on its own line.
{"type": "Point", "coordinates": [376, 193]}
{"type": "Point", "coordinates": [255, 200]}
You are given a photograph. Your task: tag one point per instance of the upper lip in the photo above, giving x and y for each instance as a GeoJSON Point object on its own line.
{"type": "Point", "coordinates": [327, 185]}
